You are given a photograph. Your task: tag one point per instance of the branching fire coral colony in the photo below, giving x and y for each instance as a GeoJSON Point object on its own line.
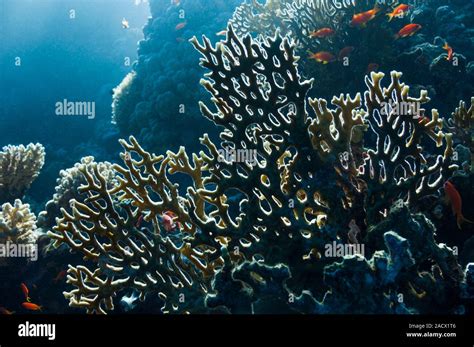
{"type": "Point", "coordinates": [250, 236]}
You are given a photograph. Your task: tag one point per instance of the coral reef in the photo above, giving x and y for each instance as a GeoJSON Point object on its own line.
{"type": "Point", "coordinates": [356, 50]}
{"type": "Point", "coordinates": [19, 166]}
{"type": "Point", "coordinates": [248, 233]}
{"type": "Point", "coordinates": [434, 274]}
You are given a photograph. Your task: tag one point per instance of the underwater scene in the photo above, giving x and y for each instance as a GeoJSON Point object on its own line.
{"type": "Point", "coordinates": [237, 157]}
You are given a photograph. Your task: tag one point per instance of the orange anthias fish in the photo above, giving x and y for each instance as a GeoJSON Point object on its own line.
{"type": "Point", "coordinates": [453, 197]}
{"type": "Point", "coordinates": [32, 307]}
{"type": "Point", "coordinates": [60, 276]}
{"type": "Point", "coordinates": [322, 33]}
{"type": "Point", "coordinates": [25, 291]}
{"type": "Point", "coordinates": [423, 120]}
{"type": "Point", "coordinates": [372, 67]}
{"type": "Point", "coordinates": [408, 30]}
{"type": "Point", "coordinates": [323, 57]}
{"type": "Point", "coordinates": [222, 33]}
{"type": "Point", "coordinates": [399, 11]}
{"type": "Point", "coordinates": [180, 26]}
{"type": "Point", "coordinates": [449, 50]}
{"type": "Point", "coordinates": [125, 24]}
{"type": "Point", "coordinates": [345, 52]}
{"type": "Point", "coordinates": [139, 221]}
{"type": "Point", "coordinates": [168, 220]}
{"type": "Point", "coordinates": [361, 19]}
{"type": "Point", "coordinates": [3, 310]}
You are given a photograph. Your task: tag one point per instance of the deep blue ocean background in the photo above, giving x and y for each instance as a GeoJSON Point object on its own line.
{"type": "Point", "coordinates": [80, 59]}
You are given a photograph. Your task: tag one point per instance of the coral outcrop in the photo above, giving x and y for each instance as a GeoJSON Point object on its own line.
{"type": "Point", "coordinates": [461, 124]}
{"type": "Point", "coordinates": [247, 232]}
{"type": "Point", "coordinates": [19, 166]}
{"type": "Point", "coordinates": [17, 223]}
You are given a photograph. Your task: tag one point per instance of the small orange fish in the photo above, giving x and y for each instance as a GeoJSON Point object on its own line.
{"type": "Point", "coordinates": [423, 120]}
{"type": "Point", "coordinates": [32, 307]}
{"type": "Point", "coordinates": [25, 291]}
{"type": "Point", "coordinates": [399, 11]}
{"type": "Point", "coordinates": [408, 30]}
{"type": "Point", "coordinates": [345, 52]}
{"type": "Point", "coordinates": [60, 276]}
{"type": "Point", "coordinates": [177, 2]}
{"type": "Point", "coordinates": [323, 57]}
{"type": "Point", "coordinates": [125, 24]}
{"type": "Point", "coordinates": [139, 221]}
{"type": "Point", "coordinates": [180, 26]}
{"type": "Point", "coordinates": [449, 50]}
{"type": "Point", "coordinates": [168, 220]}
{"type": "Point", "coordinates": [361, 19]}
{"type": "Point", "coordinates": [3, 310]}
{"type": "Point", "coordinates": [222, 33]}
{"type": "Point", "coordinates": [322, 33]}
{"type": "Point", "coordinates": [372, 67]}
{"type": "Point", "coordinates": [453, 197]}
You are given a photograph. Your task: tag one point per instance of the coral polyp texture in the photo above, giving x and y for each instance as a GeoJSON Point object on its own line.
{"type": "Point", "coordinates": [19, 166]}
{"type": "Point", "coordinates": [243, 225]}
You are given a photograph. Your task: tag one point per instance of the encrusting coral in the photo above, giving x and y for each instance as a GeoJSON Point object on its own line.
{"type": "Point", "coordinates": [19, 166]}
{"type": "Point", "coordinates": [264, 217]}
